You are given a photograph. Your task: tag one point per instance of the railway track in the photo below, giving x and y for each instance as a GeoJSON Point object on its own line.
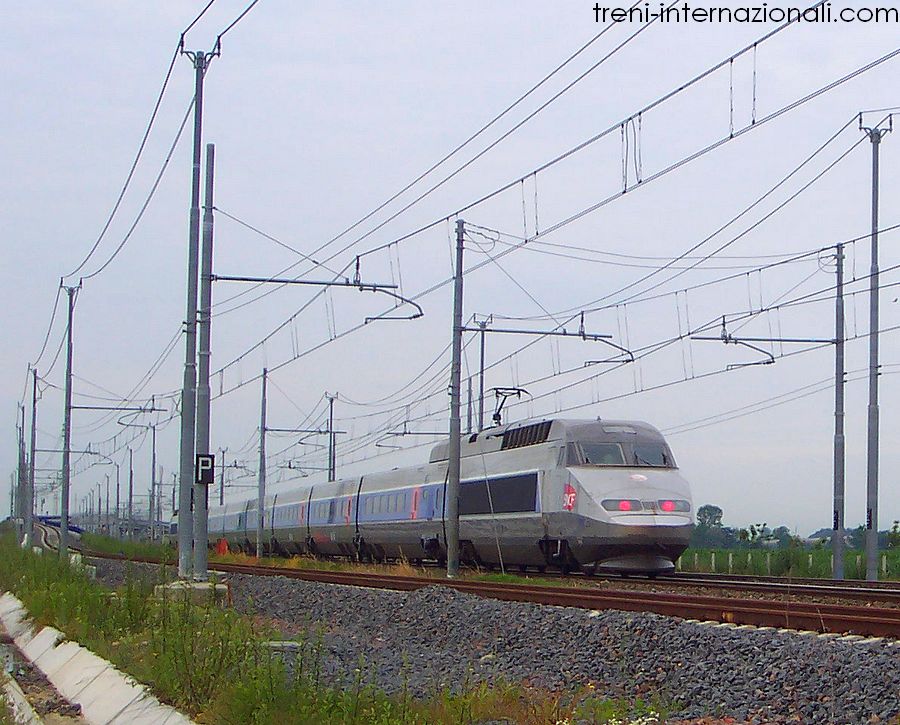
{"type": "Point", "coordinates": [844, 619]}
{"type": "Point", "coordinates": [788, 588]}
{"type": "Point", "coordinates": [866, 620]}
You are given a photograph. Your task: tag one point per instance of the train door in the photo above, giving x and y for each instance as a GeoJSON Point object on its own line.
{"type": "Point", "coordinates": [427, 502]}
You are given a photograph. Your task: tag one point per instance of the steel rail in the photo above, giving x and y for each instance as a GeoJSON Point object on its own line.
{"type": "Point", "coordinates": [787, 614]}
{"type": "Point", "coordinates": [879, 622]}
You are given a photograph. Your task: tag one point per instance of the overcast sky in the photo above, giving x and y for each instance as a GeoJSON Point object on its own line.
{"type": "Point", "coordinates": [322, 111]}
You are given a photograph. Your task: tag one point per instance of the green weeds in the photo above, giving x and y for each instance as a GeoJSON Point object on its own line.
{"type": "Point", "coordinates": [215, 664]}
{"type": "Point", "coordinates": [789, 561]}
{"type": "Point", "coordinates": [162, 552]}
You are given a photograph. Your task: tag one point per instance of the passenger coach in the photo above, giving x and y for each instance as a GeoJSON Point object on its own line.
{"type": "Point", "coordinates": [573, 494]}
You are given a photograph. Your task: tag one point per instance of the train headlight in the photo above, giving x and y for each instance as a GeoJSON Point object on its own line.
{"type": "Point", "coordinates": [621, 504]}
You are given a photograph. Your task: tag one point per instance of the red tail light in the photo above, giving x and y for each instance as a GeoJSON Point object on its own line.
{"type": "Point", "coordinates": [673, 505]}
{"type": "Point", "coordinates": [621, 504]}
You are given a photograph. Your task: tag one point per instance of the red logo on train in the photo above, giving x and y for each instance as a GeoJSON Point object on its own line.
{"type": "Point", "coordinates": [569, 497]}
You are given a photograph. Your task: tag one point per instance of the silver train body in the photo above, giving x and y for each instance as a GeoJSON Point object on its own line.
{"type": "Point", "coordinates": [572, 494]}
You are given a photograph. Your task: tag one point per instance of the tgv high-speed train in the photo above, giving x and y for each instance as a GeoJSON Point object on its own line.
{"type": "Point", "coordinates": [597, 495]}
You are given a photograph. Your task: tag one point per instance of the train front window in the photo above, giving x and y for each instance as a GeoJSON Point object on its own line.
{"type": "Point", "coordinates": [652, 454]}
{"type": "Point", "coordinates": [602, 454]}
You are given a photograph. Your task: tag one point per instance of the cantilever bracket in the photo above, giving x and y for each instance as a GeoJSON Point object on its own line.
{"type": "Point", "coordinates": [730, 339]}
{"type": "Point", "coordinates": [403, 300]}
{"type": "Point", "coordinates": [629, 356]}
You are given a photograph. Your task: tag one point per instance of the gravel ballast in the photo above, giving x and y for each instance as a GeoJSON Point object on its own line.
{"type": "Point", "coordinates": [436, 637]}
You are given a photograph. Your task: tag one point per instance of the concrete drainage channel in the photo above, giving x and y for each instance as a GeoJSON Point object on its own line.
{"type": "Point", "coordinates": [60, 679]}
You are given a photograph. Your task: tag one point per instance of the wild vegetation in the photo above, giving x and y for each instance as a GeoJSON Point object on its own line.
{"type": "Point", "coordinates": [214, 664]}
{"type": "Point", "coordinates": [761, 550]}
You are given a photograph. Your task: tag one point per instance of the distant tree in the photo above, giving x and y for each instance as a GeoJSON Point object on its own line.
{"type": "Point", "coordinates": [894, 536]}
{"type": "Point", "coordinates": [783, 534]}
{"type": "Point", "coordinates": [858, 538]}
{"type": "Point", "coordinates": [757, 533]}
{"type": "Point", "coordinates": [709, 516]}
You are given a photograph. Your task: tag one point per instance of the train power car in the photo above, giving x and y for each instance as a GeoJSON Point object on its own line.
{"type": "Point", "coordinates": [596, 495]}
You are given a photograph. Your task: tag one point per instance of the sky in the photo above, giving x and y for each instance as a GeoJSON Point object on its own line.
{"type": "Point", "coordinates": [321, 113]}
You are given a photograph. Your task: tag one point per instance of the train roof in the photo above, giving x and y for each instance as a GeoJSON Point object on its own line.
{"type": "Point", "coordinates": [499, 438]}
{"type": "Point", "coordinates": [540, 430]}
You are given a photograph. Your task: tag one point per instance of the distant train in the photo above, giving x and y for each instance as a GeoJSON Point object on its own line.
{"type": "Point", "coordinates": [598, 495]}
{"type": "Point", "coordinates": [54, 521]}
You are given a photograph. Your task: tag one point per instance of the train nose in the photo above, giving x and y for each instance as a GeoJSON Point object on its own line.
{"type": "Point", "coordinates": [651, 497]}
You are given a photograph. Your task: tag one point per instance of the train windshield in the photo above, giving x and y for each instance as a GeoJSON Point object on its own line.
{"type": "Point", "coordinates": [585, 453]}
{"type": "Point", "coordinates": [603, 454]}
{"type": "Point", "coordinates": [653, 454]}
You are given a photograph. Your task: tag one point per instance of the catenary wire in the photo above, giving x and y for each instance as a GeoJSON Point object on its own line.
{"type": "Point", "coordinates": [150, 195]}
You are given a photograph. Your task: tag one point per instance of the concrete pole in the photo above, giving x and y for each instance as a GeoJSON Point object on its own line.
{"type": "Point", "coordinates": [67, 435]}
{"type": "Point", "coordinates": [451, 510]}
{"type": "Point", "coordinates": [99, 506]}
{"type": "Point", "coordinates": [158, 502]}
{"type": "Point", "coordinates": [872, 442]}
{"type": "Point", "coordinates": [482, 325]}
{"type": "Point", "coordinates": [837, 535]}
{"type": "Point", "coordinates": [107, 505]}
{"type": "Point", "coordinates": [331, 453]}
{"type": "Point", "coordinates": [118, 514]}
{"type": "Point", "coordinates": [201, 492]}
{"type": "Point", "coordinates": [189, 387]}
{"type": "Point", "coordinates": [22, 470]}
{"type": "Point", "coordinates": [154, 487]}
{"type": "Point", "coordinates": [469, 408]}
{"type": "Point", "coordinates": [222, 476]}
{"type": "Point", "coordinates": [130, 494]}
{"type": "Point", "coordinates": [29, 508]}
{"type": "Point", "coordinates": [261, 493]}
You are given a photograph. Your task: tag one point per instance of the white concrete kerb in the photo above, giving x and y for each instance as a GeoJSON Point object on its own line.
{"type": "Point", "coordinates": [106, 696]}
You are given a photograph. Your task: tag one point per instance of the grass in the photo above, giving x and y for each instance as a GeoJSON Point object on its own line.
{"type": "Point", "coordinates": [130, 549]}
{"type": "Point", "coordinates": [787, 561]}
{"type": "Point", "coordinates": [212, 662]}
{"type": "Point", "coordinates": [6, 714]}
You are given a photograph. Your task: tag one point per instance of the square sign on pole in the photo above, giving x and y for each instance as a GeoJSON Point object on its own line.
{"type": "Point", "coordinates": [204, 470]}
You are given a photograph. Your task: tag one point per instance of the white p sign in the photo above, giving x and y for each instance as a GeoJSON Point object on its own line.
{"type": "Point", "coordinates": [204, 470]}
